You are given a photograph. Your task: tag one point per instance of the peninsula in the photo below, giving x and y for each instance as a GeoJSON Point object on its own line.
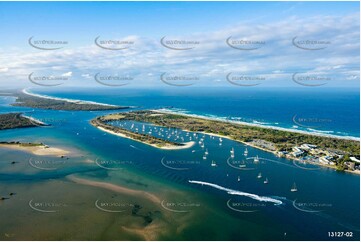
{"type": "Point", "coordinates": [17, 120]}
{"type": "Point", "coordinates": [102, 124]}
{"type": "Point", "coordinates": [25, 98]}
{"type": "Point", "coordinates": [338, 153]}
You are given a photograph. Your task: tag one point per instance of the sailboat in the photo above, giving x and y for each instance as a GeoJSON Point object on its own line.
{"type": "Point", "coordinates": [294, 187]}
{"type": "Point", "coordinates": [238, 179]}
{"type": "Point", "coordinates": [204, 157]}
{"type": "Point", "coordinates": [245, 152]}
{"type": "Point", "coordinates": [259, 175]}
{"type": "Point", "coordinates": [232, 153]}
{"type": "Point", "coordinates": [265, 181]}
{"type": "Point", "coordinates": [256, 159]}
{"type": "Point", "coordinates": [206, 153]}
{"type": "Point", "coordinates": [213, 163]}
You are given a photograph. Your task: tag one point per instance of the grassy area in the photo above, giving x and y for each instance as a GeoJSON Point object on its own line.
{"type": "Point", "coordinates": [145, 138]}
{"type": "Point", "coordinates": [22, 144]}
{"type": "Point", "coordinates": [283, 140]}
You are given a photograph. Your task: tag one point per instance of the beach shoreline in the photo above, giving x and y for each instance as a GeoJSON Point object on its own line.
{"type": "Point", "coordinates": [27, 92]}
{"type": "Point", "coordinates": [251, 144]}
{"type": "Point", "coordinates": [165, 111]}
{"type": "Point", "coordinates": [185, 145]}
{"type": "Point", "coordinates": [39, 150]}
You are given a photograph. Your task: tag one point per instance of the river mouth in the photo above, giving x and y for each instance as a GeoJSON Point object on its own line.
{"type": "Point", "coordinates": [133, 191]}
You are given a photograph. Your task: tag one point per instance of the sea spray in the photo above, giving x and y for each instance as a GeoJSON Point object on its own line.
{"type": "Point", "coordinates": [239, 193]}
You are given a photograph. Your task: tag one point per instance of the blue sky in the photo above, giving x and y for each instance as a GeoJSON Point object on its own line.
{"type": "Point", "coordinates": [273, 63]}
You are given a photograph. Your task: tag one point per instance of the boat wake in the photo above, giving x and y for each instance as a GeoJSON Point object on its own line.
{"type": "Point", "coordinates": [239, 193]}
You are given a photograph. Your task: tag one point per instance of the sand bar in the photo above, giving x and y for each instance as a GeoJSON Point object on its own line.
{"type": "Point", "coordinates": [41, 150]}
{"type": "Point", "coordinates": [115, 188]}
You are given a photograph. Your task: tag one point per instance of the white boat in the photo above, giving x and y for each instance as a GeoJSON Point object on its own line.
{"type": "Point", "coordinates": [204, 157]}
{"type": "Point", "coordinates": [238, 179]}
{"type": "Point", "coordinates": [193, 151]}
{"type": "Point", "coordinates": [265, 181]}
{"type": "Point", "coordinates": [245, 152]}
{"type": "Point", "coordinates": [202, 145]}
{"type": "Point", "coordinates": [242, 165]}
{"type": "Point", "coordinates": [294, 188]}
{"type": "Point", "coordinates": [206, 153]}
{"type": "Point", "coordinates": [256, 159]}
{"type": "Point", "coordinates": [232, 151]}
{"type": "Point", "coordinates": [213, 163]}
{"type": "Point", "coordinates": [259, 175]}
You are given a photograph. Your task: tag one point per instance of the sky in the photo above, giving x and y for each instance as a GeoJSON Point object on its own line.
{"type": "Point", "coordinates": [238, 44]}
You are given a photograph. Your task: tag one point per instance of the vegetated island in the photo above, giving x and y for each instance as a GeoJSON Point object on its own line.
{"type": "Point", "coordinates": [102, 124]}
{"type": "Point", "coordinates": [25, 98]}
{"type": "Point", "coordinates": [17, 120]}
{"type": "Point", "coordinates": [338, 153]}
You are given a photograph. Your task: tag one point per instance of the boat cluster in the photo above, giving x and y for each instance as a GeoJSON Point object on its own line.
{"type": "Point", "coordinates": [173, 134]}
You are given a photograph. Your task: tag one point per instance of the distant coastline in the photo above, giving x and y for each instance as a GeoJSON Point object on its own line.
{"type": "Point", "coordinates": [27, 92]}
{"type": "Point", "coordinates": [26, 98]}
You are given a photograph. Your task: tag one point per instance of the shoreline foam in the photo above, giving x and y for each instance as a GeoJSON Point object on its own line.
{"type": "Point", "coordinates": [66, 99]}
{"type": "Point", "coordinates": [167, 111]}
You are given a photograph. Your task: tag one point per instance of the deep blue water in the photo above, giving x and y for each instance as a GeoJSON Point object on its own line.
{"type": "Point", "coordinates": [334, 195]}
{"type": "Point", "coordinates": [328, 111]}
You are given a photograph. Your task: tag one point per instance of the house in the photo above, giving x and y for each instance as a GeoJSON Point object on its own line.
{"type": "Point", "coordinates": [296, 149]}
{"type": "Point", "coordinates": [308, 147]}
{"type": "Point", "coordinates": [327, 160]}
{"type": "Point", "coordinates": [297, 153]}
{"type": "Point", "coordinates": [350, 165]}
{"type": "Point", "coordinates": [282, 153]}
{"type": "Point", "coordinates": [355, 159]}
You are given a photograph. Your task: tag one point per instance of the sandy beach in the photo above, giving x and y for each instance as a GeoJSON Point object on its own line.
{"type": "Point", "coordinates": [41, 150]}
{"type": "Point", "coordinates": [165, 111]}
{"type": "Point", "coordinates": [65, 99]}
{"type": "Point", "coordinates": [185, 145]}
{"type": "Point", "coordinates": [255, 146]}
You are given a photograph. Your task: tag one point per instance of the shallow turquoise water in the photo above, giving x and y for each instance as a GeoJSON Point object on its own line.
{"type": "Point", "coordinates": [329, 199]}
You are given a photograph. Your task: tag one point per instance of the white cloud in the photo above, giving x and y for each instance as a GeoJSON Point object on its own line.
{"type": "Point", "coordinates": [4, 69]}
{"type": "Point", "coordinates": [212, 58]}
{"type": "Point", "coordinates": [67, 74]}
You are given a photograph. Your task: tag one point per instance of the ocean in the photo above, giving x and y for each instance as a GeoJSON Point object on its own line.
{"type": "Point", "coordinates": [238, 203]}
